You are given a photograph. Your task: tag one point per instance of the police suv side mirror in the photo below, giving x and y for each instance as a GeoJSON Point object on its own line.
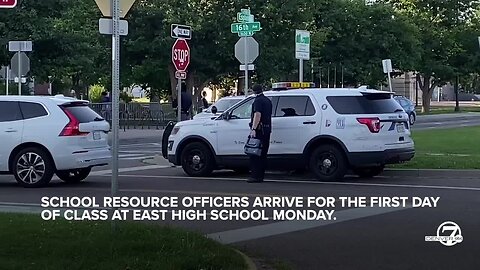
{"type": "Point", "coordinates": [214, 109]}
{"type": "Point", "coordinates": [226, 115]}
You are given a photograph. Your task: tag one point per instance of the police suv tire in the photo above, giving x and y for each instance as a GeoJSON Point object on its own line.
{"type": "Point", "coordinates": [197, 159]}
{"type": "Point", "coordinates": [38, 159]}
{"type": "Point", "coordinates": [368, 172]}
{"type": "Point", "coordinates": [328, 163]}
{"type": "Point", "coordinates": [74, 176]}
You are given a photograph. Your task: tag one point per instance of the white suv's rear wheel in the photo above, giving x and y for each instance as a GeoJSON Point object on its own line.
{"type": "Point", "coordinates": [328, 163]}
{"type": "Point", "coordinates": [32, 167]}
{"type": "Point", "coordinates": [411, 119]}
{"type": "Point", "coordinates": [74, 176]}
{"type": "Point", "coordinates": [197, 159]}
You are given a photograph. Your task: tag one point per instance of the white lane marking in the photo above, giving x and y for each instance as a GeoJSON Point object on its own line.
{"type": "Point", "coordinates": [130, 169]}
{"type": "Point", "coordinates": [139, 144]}
{"type": "Point", "coordinates": [272, 229]}
{"type": "Point", "coordinates": [202, 193]}
{"type": "Point", "coordinates": [139, 151]}
{"type": "Point", "coordinates": [129, 155]}
{"type": "Point", "coordinates": [305, 181]}
{"type": "Point", "coordinates": [138, 158]}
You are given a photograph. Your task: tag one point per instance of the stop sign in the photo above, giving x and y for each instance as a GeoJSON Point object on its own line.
{"type": "Point", "coordinates": [8, 3]}
{"type": "Point", "coordinates": [181, 54]}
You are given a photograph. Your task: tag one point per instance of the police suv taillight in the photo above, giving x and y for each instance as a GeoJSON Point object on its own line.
{"type": "Point", "coordinates": [373, 123]}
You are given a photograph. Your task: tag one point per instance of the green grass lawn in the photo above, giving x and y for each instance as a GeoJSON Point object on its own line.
{"type": "Point", "coordinates": [443, 110]}
{"type": "Point", "coordinates": [446, 149]}
{"type": "Point", "coordinates": [28, 242]}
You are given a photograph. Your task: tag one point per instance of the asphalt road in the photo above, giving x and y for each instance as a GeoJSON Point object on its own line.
{"type": "Point", "coordinates": [446, 121]}
{"type": "Point", "coordinates": [360, 238]}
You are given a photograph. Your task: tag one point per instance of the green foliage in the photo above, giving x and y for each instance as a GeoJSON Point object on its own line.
{"type": "Point", "coordinates": [125, 97]}
{"type": "Point", "coordinates": [435, 38]}
{"type": "Point", "coordinates": [95, 93]}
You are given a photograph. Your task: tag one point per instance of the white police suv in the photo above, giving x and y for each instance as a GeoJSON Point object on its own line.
{"type": "Point", "coordinates": [328, 131]}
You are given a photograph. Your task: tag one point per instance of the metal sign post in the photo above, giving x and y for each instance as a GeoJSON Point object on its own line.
{"type": "Point", "coordinates": [20, 47]}
{"type": "Point", "coordinates": [302, 50]}
{"type": "Point", "coordinates": [246, 27]}
{"type": "Point", "coordinates": [181, 60]}
{"type": "Point", "coordinates": [246, 69]}
{"type": "Point", "coordinates": [116, 9]}
{"type": "Point", "coordinates": [115, 92]}
{"type": "Point", "coordinates": [387, 68]}
{"type": "Point", "coordinates": [179, 100]}
{"type": "Point", "coordinates": [19, 74]}
{"type": "Point", "coordinates": [8, 80]}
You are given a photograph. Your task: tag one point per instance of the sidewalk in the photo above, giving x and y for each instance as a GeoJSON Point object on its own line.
{"type": "Point", "coordinates": [130, 136]}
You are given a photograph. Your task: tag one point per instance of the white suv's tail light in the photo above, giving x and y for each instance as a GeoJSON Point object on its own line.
{"type": "Point", "coordinates": [373, 123]}
{"type": "Point", "coordinates": [72, 128]}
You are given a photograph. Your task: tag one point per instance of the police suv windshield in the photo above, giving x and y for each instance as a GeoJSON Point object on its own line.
{"type": "Point", "coordinates": [224, 103]}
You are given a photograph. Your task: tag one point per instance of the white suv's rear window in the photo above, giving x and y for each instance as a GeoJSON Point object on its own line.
{"type": "Point", "coordinates": [83, 113]}
{"type": "Point", "coordinates": [366, 104]}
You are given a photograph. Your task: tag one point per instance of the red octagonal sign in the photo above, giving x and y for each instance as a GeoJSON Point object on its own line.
{"type": "Point", "coordinates": [8, 3]}
{"type": "Point", "coordinates": [180, 54]}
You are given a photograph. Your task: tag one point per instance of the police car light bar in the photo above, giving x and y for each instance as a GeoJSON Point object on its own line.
{"type": "Point", "coordinates": [292, 85]}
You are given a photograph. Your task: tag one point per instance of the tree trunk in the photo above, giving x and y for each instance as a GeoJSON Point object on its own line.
{"type": "Point", "coordinates": [427, 91]}
{"type": "Point", "coordinates": [457, 104]}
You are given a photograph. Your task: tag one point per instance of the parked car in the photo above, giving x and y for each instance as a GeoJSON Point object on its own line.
{"type": "Point", "coordinates": [43, 135]}
{"type": "Point", "coordinates": [409, 107]}
{"type": "Point", "coordinates": [219, 107]}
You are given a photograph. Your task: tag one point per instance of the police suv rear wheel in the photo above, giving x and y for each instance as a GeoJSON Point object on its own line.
{"type": "Point", "coordinates": [197, 159]}
{"type": "Point", "coordinates": [328, 163]}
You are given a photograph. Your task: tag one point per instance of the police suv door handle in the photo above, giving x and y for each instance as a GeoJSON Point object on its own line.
{"type": "Point", "coordinates": [309, 123]}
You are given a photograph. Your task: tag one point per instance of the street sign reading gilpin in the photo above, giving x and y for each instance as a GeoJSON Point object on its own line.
{"type": "Point", "coordinates": [8, 3]}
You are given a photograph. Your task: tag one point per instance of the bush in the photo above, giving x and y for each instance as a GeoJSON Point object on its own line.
{"type": "Point", "coordinates": [95, 93]}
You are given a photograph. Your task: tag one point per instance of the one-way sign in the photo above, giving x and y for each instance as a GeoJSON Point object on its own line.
{"type": "Point", "coordinates": [181, 31]}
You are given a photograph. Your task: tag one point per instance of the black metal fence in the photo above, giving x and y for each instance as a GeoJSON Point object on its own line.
{"type": "Point", "coordinates": [138, 115]}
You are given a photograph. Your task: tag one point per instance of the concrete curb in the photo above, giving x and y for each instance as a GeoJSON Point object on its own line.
{"type": "Point", "coordinates": [433, 173]}
{"type": "Point", "coordinates": [250, 264]}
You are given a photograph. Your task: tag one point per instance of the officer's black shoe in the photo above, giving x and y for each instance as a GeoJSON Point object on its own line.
{"type": "Point", "coordinates": [253, 180]}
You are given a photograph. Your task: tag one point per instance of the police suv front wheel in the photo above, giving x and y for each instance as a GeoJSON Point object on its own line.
{"type": "Point", "coordinates": [197, 159]}
{"type": "Point", "coordinates": [328, 163]}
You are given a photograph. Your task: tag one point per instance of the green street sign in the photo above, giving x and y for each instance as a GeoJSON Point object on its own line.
{"type": "Point", "coordinates": [245, 27]}
{"type": "Point", "coordinates": [246, 34]}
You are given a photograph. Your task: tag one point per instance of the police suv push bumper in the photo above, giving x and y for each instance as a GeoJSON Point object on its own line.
{"type": "Point", "coordinates": [389, 156]}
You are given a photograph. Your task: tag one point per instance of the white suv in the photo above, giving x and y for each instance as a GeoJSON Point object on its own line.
{"type": "Point", "coordinates": [45, 135]}
{"type": "Point", "coordinates": [326, 130]}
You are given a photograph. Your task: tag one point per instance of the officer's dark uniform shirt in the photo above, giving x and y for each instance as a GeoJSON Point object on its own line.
{"type": "Point", "coordinates": [263, 105]}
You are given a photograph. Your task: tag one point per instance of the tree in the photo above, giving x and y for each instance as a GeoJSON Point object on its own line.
{"type": "Point", "coordinates": [66, 43]}
{"type": "Point", "coordinates": [360, 36]}
{"type": "Point", "coordinates": [438, 23]}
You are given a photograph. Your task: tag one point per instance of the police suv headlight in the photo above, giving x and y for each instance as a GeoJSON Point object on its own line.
{"type": "Point", "coordinates": [175, 130]}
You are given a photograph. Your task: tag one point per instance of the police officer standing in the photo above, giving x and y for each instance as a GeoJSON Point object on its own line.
{"type": "Point", "coordinates": [261, 128]}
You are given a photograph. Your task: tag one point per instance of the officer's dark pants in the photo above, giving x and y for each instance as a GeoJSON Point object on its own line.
{"type": "Point", "coordinates": [258, 164]}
